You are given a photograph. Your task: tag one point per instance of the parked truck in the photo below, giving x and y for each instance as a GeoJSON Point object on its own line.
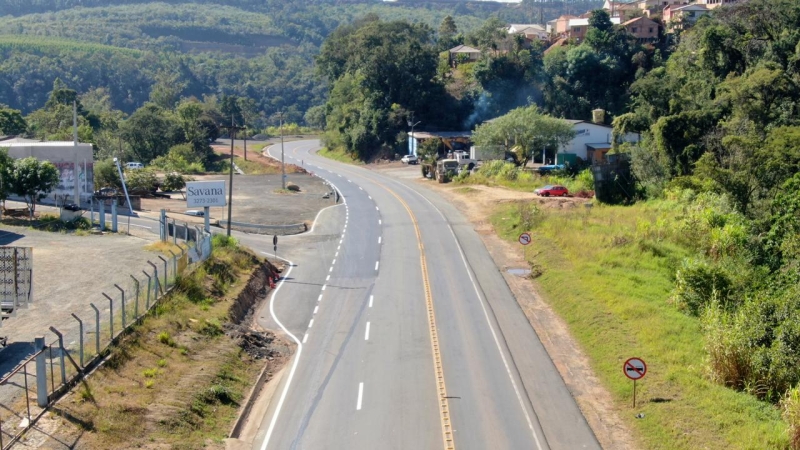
{"type": "Point", "coordinates": [465, 160]}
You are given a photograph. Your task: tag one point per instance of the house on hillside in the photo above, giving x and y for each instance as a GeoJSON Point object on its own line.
{"type": "Point", "coordinates": [532, 32]}
{"type": "Point", "coordinates": [463, 53]}
{"type": "Point", "coordinates": [679, 16]}
{"type": "Point", "coordinates": [642, 28]}
{"type": "Point", "coordinates": [622, 10]}
{"type": "Point", "coordinates": [578, 28]}
{"type": "Point", "coordinates": [562, 24]}
{"type": "Point", "coordinates": [593, 139]}
{"type": "Point", "coordinates": [713, 4]}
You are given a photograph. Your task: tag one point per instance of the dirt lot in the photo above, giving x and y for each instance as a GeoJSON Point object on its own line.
{"type": "Point", "coordinates": [594, 400]}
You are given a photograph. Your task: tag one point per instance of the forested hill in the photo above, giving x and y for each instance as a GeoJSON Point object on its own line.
{"type": "Point", "coordinates": [525, 10]}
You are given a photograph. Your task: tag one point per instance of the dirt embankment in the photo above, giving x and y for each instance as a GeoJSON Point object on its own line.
{"type": "Point", "coordinates": [181, 378]}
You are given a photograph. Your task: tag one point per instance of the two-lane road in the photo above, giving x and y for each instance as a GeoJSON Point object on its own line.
{"type": "Point", "coordinates": [407, 335]}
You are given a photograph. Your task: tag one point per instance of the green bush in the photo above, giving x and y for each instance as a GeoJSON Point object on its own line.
{"type": "Point", "coordinates": [173, 181]}
{"type": "Point", "coordinates": [222, 241]}
{"type": "Point", "coordinates": [141, 181]}
{"type": "Point", "coordinates": [698, 283]}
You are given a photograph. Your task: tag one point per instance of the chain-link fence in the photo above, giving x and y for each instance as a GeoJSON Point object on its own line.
{"type": "Point", "coordinates": [78, 346]}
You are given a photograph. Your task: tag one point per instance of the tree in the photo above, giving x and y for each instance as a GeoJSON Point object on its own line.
{"type": "Point", "coordinates": [526, 130]}
{"type": "Point", "coordinates": [151, 131]}
{"type": "Point", "coordinates": [12, 122]}
{"type": "Point", "coordinates": [6, 174]}
{"type": "Point", "coordinates": [106, 174]}
{"type": "Point", "coordinates": [33, 180]}
{"type": "Point", "coordinates": [141, 181]}
{"type": "Point", "coordinates": [447, 34]}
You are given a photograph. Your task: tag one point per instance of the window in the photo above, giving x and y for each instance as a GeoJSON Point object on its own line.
{"type": "Point", "coordinates": [633, 30]}
{"type": "Point", "coordinates": [651, 29]}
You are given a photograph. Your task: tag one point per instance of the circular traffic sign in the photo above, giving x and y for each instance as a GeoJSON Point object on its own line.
{"type": "Point", "coordinates": [525, 238]}
{"type": "Point", "coordinates": [634, 368]}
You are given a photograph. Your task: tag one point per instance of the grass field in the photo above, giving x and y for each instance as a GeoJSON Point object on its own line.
{"type": "Point", "coordinates": [339, 155]}
{"type": "Point", "coordinates": [608, 272]}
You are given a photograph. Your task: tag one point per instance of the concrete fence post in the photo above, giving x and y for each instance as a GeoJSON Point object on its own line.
{"type": "Point", "coordinates": [136, 305]}
{"type": "Point", "coordinates": [166, 274]}
{"type": "Point", "coordinates": [186, 231]}
{"type": "Point", "coordinates": [149, 287]}
{"type": "Point", "coordinates": [111, 313]}
{"type": "Point", "coordinates": [122, 291]}
{"type": "Point", "coordinates": [174, 233]}
{"type": "Point", "coordinates": [114, 227]}
{"type": "Point", "coordinates": [61, 351]}
{"type": "Point", "coordinates": [97, 328]}
{"type": "Point", "coordinates": [163, 225]}
{"type": "Point", "coordinates": [80, 338]}
{"type": "Point", "coordinates": [174, 266]}
{"type": "Point", "coordinates": [41, 372]}
{"type": "Point", "coordinates": [157, 285]}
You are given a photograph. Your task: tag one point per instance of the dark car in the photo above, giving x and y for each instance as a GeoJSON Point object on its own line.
{"type": "Point", "coordinates": [554, 190]}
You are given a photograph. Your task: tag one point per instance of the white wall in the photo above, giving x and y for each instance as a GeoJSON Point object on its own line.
{"type": "Point", "coordinates": [590, 133]}
{"type": "Point", "coordinates": [74, 163]}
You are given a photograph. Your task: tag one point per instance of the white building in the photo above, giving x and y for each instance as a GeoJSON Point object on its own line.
{"type": "Point", "coordinates": [591, 143]}
{"type": "Point", "coordinates": [75, 164]}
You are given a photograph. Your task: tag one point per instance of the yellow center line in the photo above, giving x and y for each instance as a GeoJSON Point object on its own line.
{"type": "Point", "coordinates": [444, 406]}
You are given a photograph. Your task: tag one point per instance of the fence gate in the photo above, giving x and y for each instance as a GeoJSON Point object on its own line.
{"type": "Point", "coordinates": [16, 279]}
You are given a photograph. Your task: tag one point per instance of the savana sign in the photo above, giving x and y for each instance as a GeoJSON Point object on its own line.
{"type": "Point", "coordinates": [205, 193]}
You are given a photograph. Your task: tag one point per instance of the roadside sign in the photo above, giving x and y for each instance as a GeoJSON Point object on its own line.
{"type": "Point", "coordinates": [205, 193]}
{"type": "Point", "coordinates": [525, 238]}
{"type": "Point", "coordinates": [275, 239]}
{"type": "Point", "coordinates": [634, 368]}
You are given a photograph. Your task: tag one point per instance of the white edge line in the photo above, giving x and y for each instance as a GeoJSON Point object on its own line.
{"type": "Point", "coordinates": [366, 333]}
{"type": "Point", "coordinates": [486, 314]}
{"type": "Point", "coordinates": [360, 395]}
{"type": "Point", "coordinates": [294, 364]}
{"type": "Point", "coordinates": [370, 301]}
{"type": "Point", "coordinates": [305, 338]}
{"type": "Point", "coordinates": [377, 264]}
{"type": "Point", "coordinates": [379, 239]}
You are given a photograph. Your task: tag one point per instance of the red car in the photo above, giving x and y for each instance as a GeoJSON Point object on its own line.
{"type": "Point", "coordinates": [554, 190]}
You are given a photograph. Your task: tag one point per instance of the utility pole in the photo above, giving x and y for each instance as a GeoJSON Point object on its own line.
{"type": "Point", "coordinates": [283, 166]}
{"type": "Point", "coordinates": [232, 133]}
{"type": "Point", "coordinates": [245, 142]}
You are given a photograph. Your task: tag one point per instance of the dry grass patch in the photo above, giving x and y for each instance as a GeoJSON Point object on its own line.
{"type": "Point", "coordinates": [176, 381]}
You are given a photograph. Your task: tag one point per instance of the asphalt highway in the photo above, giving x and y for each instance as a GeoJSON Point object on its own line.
{"type": "Point", "coordinates": [407, 335]}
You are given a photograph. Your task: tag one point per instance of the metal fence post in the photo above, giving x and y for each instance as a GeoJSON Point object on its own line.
{"type": "Point", "coordinates": [149, 287]}
{"type": "Point", "coordinates": [80, 339]}
{"type": "Point", "coordinates": [136, 305]}
{"type": "Point", "coordinates": [155, 275]}
{"type": "Point", "coordinates": [186, 231]}
{"type": "Point", "coordinates": [111, 309]}
{"type": "Point", "coordinates": [166, 274]}
{"type": "Point", "coordinates": [174, 233]}
{"type": "Point", "coordinates": [41, 372]}
{"type": "Point", "coordinates": [61, 354]}
{"type": "Point", "coordinates": [97, 328]}
{"type": "Point", "coordinates": [124, 324]}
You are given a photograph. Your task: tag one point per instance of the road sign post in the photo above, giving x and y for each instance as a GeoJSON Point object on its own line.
{"type": "Point", "coordinates": [635, 369]}
{"type": "Point", "coordinates": [275, 245]}
{"type": "Point", "coordinates": [525, 239]}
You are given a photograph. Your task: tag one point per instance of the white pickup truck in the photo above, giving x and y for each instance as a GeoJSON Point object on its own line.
{"type": "Point", "coordinates": [464, 160]}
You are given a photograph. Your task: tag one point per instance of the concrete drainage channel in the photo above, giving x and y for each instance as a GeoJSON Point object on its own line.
{"type": "Point", "coordinates": [522, 273]}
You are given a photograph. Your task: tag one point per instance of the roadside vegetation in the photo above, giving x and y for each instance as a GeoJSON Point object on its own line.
{"type": "Point", "coordinates": [626, 279]}
{"type": "Point", "coordinates": [509, 175]}
{"type": "Point", "coordinates": [176, 380]}
{"type": "Point", "coordinates": [340, 155]}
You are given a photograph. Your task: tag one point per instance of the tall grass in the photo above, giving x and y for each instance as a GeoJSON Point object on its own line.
{"type": "Point", "coordinates": [609, 272]}
{"type": "Point", "coordinates": [505, 174]}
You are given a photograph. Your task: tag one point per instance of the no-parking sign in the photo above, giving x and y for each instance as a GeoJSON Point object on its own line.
{"type": "Point", "coordinates": [634, 368]}
{"type": "Point", "coordinates": [525, 238]}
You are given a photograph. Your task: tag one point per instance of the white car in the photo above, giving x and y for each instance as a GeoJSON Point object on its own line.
{"type": "Point", "coordinates": [134, 165]}
{"type": "Point", "coordinates": [410, 159]}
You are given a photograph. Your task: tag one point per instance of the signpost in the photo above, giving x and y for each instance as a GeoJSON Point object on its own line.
{"type": "Point", "coordinates": [205, 194]}
{"type": "Point", "coordinates": [525, 239]}
{"type": "Point", "coordinates": [635, 369]}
